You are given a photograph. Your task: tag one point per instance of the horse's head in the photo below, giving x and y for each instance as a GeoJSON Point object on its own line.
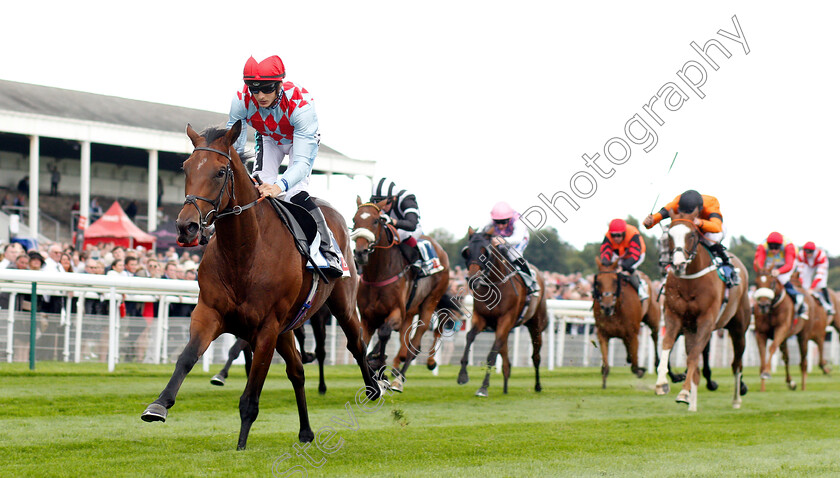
{"type": "Point", "coordinates": [368, 229]}
{"type": "Point", "coordinates": [209, 181]}
{"type": "Point", "coordinates": [606, 287]}
{"type": "Point", "coordinates": [766, 289]}
{"type": "Point", "coordinates": [683, 240]}
{"type": "Point", "coordinates": [477, 252]}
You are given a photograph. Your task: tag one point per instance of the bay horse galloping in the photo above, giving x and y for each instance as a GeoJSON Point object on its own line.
{"type": "Point", "coordinates": [500, 302]}
{"type": "Point", "coordinates": [814, 330]}
{"type": "Point", "coordinates": [390, 293]}
{"type": "Point", "coordinates": [619, 313]}
{"type": "Point", "coordinates": [697, 303]}
{"type": "Point", "coordinates": [774, 320]}
{"type": "Point", "coordinates": [253, 282]}
{"type": "Point", "coordinates": [319, 329]}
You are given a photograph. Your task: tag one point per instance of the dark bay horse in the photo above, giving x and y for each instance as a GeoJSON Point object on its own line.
{"type": "Point", "coordinates": [773, 313]}
{"type": "Point", "coordinates": [385, 297]}
{"type": "Point", "coordinates": [253, 282]}
{"type": "Point", "coordinates": [619, 313]}
{"type": "Point", "coordinates": [500, 303]}
{"type": "Point", "coordinates": [813, 330]}
{"type": "Point", "coordinates": [696, 304]}
{"type": "Point", "coordinates": [318, 322]}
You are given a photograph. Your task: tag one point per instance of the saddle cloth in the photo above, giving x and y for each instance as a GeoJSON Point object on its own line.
{"type": "Point", "coordinates": [431, 261]}
{"type": "Point", "coordinates": [315, 252]}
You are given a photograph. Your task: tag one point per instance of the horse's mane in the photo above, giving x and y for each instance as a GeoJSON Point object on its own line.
{"type": "Point", "coordinates": [212, 133]}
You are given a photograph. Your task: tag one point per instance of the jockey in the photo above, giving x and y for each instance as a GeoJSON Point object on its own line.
{"type": "Point", "coordinates": [710, 222]}
{"type": "Point", "coordinates": [624, 243]}
{"type": "Point", "coordinates": [511, 237]}
{"type": "Point", "coordinates": [401, 211]}
{"type": "Point", "coordinates": [780, 255]}
{"type": "Point", "coordinates": [284, 117]}
{"type": "Point", "coordinates": [812, 264]}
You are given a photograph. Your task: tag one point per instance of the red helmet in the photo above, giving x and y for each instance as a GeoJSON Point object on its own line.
{"type": "Point", "coordinates": [810, 246]}
{"type": "Point", "coordinates": [618, 226]}
{"type": "Point", "coordinates": [270, 69]}
{"type": "Point", "coordinates": [775, 238]}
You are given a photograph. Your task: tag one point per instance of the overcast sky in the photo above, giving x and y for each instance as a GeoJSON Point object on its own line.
{"type": "Point", "coordinates": [469, 103]}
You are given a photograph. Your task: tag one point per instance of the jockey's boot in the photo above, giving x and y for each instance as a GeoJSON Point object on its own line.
{"type": "Point", "coordinates": [729, 275]}
{"type": "Point", "coordinates": [412, 255]}
{"type": "Point", "coordinates": [334, 268]}
{"type": "Point", "coordinates": [527, 276]}
{"type": "Point", "coordinates": [799, 304]}
{"type": "Point", "coordinates": [826, 301]}
{"type": "Point", "coordinates": [639, 285]}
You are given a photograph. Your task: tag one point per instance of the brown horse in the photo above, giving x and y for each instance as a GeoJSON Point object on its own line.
{"type": "Point", "coordinates": [500, 303]}
{"type": "Point", "coordinates": [619, 313]}
{"type": "Point", "coordinates": [448, 311]}
{"type": "Point", "coordinates": [253, 282]}
{"type": "Point", "coordinates": [698, 303]}
{"type": "Point", "coordinates": [390, 294]}
{"type": "Point", "coordinates": [318, 322]}
{"type": "Point", "coordinates": [814, 330]}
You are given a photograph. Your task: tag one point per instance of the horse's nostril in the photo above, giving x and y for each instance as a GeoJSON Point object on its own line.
{"type": "Point", "coordinates": [192, 228]}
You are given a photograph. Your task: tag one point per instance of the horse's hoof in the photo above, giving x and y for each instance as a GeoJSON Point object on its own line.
{"type": "Point", "coordinates": [736, 405]}
{"type": "Point", "coordinates": [663, 389]}
{"type": "Point", "coordinates": [384, 386]}
{"type": "Point", "coordinates": [640, 372]}
{"type": "Point", "coordinates": [463, 377]}
{"type": "Point", "coordinates": [792, 385]}
{"type": "Point", "coordinates": [538, 388]}
{"type": "Point", "coordinates": [155, 412]}
{"type": "Point", "coordinates": [711, 385]}
{"type": "Point", "coordinates": [682, 397]}
{"type": "Point", "coordinates": [396, 385]}
{"type": "Point", "coordinates": [431, 365]}
{"type": "Point", "coordinates": [678, 378]}
{"type": "Point", "coordinates": [307, 357]}
{"type": "Point", "coordinates": [743, 389]}
{"type": "Point", "coordinates": [306, 436]}
{"type": "Point", "coordinates": [826, 370]}
{"type": "Point", "coordinates": [765, 375]}
{"type": "Point", "coordinates": [482, 392]}
{"type": "Point", "coordinates": [322, 389]}
{"type": "Point", "coordinates": [218, 380]}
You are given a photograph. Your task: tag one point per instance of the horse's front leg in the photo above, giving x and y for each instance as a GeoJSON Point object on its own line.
{"type": "Point", "coordinates": [234, 351]}
{"type": "Point", "coordinates": [294, 370]}
{"type": "Point", "coordinates": [673, 325]}
{"type": "Point", "coordinates": [249, 402]}
{"type": "Point", "coordinates": [763, 358]}
{"type": "Point", "coordinates": [505, 325]}
{"type": "Point", "coordinates": [478, 324]}
{"type": "Point", "coordinates": [416, 337]}
{"type": "Point", "coordinates": [694, 344]}
{"type": "Point", "coordinates": [205, 326]}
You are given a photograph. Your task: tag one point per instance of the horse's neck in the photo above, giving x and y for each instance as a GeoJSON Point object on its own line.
{"type": "Point", "coordinates": [702, 260]}
{"type": "Point", "coordinates": [384, 263]}
{"type": "Point", "coordinates": [237, 234]}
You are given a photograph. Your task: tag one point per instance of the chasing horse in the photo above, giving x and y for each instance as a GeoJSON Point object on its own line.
{"type": "Point", "coordinates": [395, 286]}
{"type": "Point", "coordinates": [703, 293]}
{"type": "Point", "coordinates": [253, 280]}
{"type": "Point", "coordinates": [775, 320]}
{"type": "Point", "coordinates": [318, 322]}
{"type": "Point", "coordinates": [620, 313]}
{"type": "Point", "coordinates": [502, 300]}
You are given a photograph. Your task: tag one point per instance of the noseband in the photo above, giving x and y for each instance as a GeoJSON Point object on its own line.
{"type": "Point", "coordinates": [192, 199]}
{"type": "Point", "coordinates": [373, 238]}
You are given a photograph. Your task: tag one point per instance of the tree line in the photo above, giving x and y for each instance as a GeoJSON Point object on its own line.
{"type": "Point", "coordinates": [557, 255]}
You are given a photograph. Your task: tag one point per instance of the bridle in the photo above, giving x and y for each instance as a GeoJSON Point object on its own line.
{"type": "Point", "coordinates": [597, 294]}
{"type": "Point", "coordinates": [691, 254]}
{"type": "Point", "coordinates": [192, 199]}
{"type": "Point", "coordinates": [373, 237]}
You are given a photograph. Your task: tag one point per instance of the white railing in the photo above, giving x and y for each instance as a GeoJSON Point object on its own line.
{"type": "Point", "coordinates": [556, 341]}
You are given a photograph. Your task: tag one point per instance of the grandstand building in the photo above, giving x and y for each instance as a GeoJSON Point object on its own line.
{"type": "Point", "coordinates": [107, 146]}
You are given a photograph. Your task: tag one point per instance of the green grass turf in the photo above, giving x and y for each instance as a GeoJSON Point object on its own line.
{"type": "Point", "coordinates": [79, 420]}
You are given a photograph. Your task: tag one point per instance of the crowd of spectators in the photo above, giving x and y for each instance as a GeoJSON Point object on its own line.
{"type": "Point", "coordinates": [559, 286]}
{"type": "Point", "coordinates": [102, 259]}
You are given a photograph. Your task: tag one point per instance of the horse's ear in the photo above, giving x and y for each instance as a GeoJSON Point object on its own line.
{"type": "Point", "coordinates": [470, 231]}
{"type": "Point", "coordinates": [194, 137]}
{"type": "Point", "coordinates": [233, 133]}
{"type": "Point", "coordinates": [358, 201]}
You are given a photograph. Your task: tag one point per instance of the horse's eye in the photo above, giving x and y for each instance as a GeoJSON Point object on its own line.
{"type": "Point", "coordinates": [221, 173]}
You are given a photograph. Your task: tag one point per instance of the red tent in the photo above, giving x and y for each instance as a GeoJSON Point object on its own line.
{"type": "Point", "coordinates": [115, 226]}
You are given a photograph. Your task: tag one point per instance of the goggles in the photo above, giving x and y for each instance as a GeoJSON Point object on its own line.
{"type": "Point", "coordinates": [262, 87]}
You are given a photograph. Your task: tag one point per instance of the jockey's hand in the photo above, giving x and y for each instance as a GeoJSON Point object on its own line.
{"type": "Point", "coordinates": [774, 273]}
{"type": "Point", "coordinates": [386, 219]}
{"type": "Point", "coordinates": [648, 222]}
{"type": "Point", "coordinates": [497, 240]}
{"type": "Point", "coordinates": [270, 190]}
{"type": "Point", "coordinates": [698, 222]}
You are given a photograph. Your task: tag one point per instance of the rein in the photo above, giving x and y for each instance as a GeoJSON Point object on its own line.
{"type": "Point", "coordinates": [236, 210]}
{"type": "Point", "coordinates": [373, 240]}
